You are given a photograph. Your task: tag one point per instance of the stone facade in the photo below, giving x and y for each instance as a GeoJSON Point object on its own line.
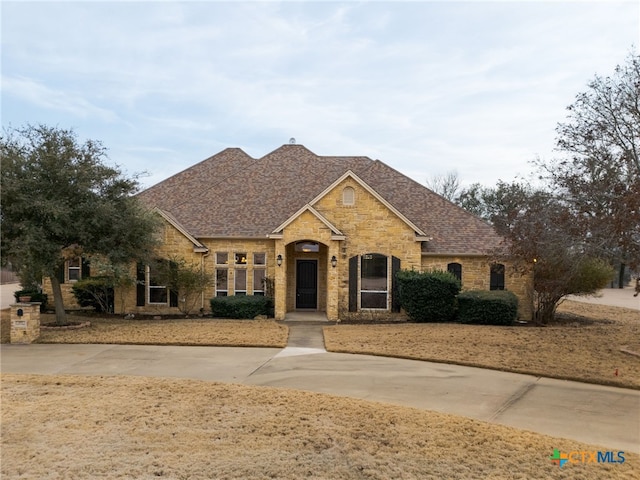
{"type": "Point", "coordinates": [476, 276]}
{"type": "Point", "coordinates": [25, 323]}
{"type": "Point", "coordinates": [375, 215]}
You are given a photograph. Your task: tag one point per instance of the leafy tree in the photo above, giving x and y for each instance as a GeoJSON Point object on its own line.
{"type": "Point", "coordinates": [188, 280]}
{"type": "Point", "coordinates": [60, 200]}
{"type": "Point", "coordinates": [600, 177]}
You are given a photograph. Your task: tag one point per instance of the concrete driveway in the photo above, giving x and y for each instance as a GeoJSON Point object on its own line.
{"type": "Point", "coordinates": [599, 415]}
{"type": "Point", "coordinates": [604, 416]}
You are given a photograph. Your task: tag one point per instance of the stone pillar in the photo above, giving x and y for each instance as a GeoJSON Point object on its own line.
{"type": "Point", "coordinates": [280, 282]}
{"type": "Point", "coordinates": [333, 277]}
{"type": "Point", "coordinates": [25, 322]}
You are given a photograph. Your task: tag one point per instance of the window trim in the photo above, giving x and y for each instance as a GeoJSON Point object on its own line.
{"type": "Point", "coordinates": [77, 269]}
{"type": "Point", "coordinates": [241, 291]}
{"type": "Point", "coordinates": [258, 291]}
{"type": "Point", "coordinates": [388, 283]}
{"type": "Point", "coordinates": [150, 286]}
{"type": "Point", "coordinates": [222, 292]}
{"type": "Point", "coordinates": [497, 279]}
{"type": "Point", "coordinates": [348, 196]}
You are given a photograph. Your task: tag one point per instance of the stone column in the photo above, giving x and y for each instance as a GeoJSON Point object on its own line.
{"type": "Point", "coordinates": [280, 282]}
{"type": "Point", "coordinates": [25, 322]}
{"type": "Point", "coordinates": [333, 280]}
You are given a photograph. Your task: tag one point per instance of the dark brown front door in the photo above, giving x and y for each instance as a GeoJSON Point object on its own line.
{"type": "Point", "coordinates": [307, 284]}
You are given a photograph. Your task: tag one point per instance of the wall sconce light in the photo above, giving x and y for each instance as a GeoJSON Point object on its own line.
{"type": "Point", "coordinates": [279, 260]}
{"type": "Point", "coordinates": [334, 261]}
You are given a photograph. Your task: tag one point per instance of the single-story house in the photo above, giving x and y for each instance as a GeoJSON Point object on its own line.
{"type": "Point", "coordinates": [329, 232]}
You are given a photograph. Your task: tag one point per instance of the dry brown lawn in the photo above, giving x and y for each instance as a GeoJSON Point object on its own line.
{"type": "Point", "coordinates": [73, 427]}
{"type": "Point", "coordinates": [584, 346]}
{"type": "Point", "coordinates": [207, 331]}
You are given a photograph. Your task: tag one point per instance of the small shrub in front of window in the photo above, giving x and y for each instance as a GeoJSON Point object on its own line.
{"type": "Point", "coordinates": [428, 296]}
{"type": "Point", "coordinates": [498, 307]}
{"type": "Point", "coordinates": [96, 292]}
{"type": "Point", "coordinates": [241, 307]}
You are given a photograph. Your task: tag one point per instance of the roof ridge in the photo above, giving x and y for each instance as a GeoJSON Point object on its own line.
{"type": "Point", "coordinates": [192, 167]}
{"type": "Point", "coordinates": [211, 185]}
{"type": "Point", "coordinates": [468, 213]}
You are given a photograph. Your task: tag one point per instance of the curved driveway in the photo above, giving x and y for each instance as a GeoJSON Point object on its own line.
{"type": "Point", "coordinates": [605, 416]}
{"type": "Point", "coordinates": [599, 415]}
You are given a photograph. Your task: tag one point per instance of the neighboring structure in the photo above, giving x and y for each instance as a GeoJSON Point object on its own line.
{"type": "Point", "coordinates": [329, 231]}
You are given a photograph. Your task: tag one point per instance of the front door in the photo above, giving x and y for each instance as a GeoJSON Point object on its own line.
{"type": "Point", "coordinates": [307, 284]}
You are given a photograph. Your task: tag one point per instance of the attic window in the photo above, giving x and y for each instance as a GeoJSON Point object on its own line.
{"type": "Point", "coordinates": [348, 196]}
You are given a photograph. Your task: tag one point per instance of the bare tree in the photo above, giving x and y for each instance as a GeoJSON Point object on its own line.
{"type": "Point", "coordinates": [600, 179]}
{"type": "Point", "coordinates": [447, 185]}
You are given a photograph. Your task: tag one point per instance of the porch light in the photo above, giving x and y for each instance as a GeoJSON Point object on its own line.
{"type": "Point", "coordinates": [334, 261]}
{"type": "Point", "coordinates": [279, 260]}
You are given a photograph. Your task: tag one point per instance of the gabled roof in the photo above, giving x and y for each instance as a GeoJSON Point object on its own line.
{"type": "Point", "coordinates": [359, 181]}
{"type": "Point", "coordinates": [231, 195]}
{"type": "Point", "coordinates": [335, 233]}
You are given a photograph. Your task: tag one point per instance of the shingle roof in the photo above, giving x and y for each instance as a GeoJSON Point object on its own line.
{"type": "Point", "coordinates": [233, 195]}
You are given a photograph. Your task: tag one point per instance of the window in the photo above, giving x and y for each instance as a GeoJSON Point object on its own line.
{"type": "Point", "coordinates": [241, 258]}
{"type": "Point", "coordinates": [456, 270]}
{"type": "Point", "coordinates": [307, 247]}
{"type": "Point", "coordinates": [240, 282]}
{"type": "Point", "coordinates": [222, 282]}
{"type": "Point", "coordinates": [348, 196]}
{"type": "Point", "coordinates": [73, 269]}
{"type": "Point", "coordinates": [496, 281]}
{"type": "Point", "coordinates": [157, 290]}
{"type": "Point", "coordinates": [374, 284]}
{"type": "Point", "coordinates": [258, 281]}
{"type": "Point", "coordinates": [259, 272]}
{"type": "Point", "coordinates": [222, 258]}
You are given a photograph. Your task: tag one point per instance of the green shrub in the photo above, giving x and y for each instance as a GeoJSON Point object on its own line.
{"type": "Point", "coordinates": [241, 306]}
{"type": "Point", "coordinates": [497, 307]}
{"type": "Point", "coordinates": [36, 296]}
{"type": "Point", "coordinates": [428, 296]}
{"type": "Point", "coordinates": [96, 292]}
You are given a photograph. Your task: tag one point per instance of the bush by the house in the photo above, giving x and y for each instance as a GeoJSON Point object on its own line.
{"type": "Point", "coordinates": [497, 307]}
{"type": "Point", "coordinates": [241, 306]}
{"type": "Point", "coordinates": [96, 292]}
{"type": "Point", "coordinates": [36, 296]}
{"type": "Point", "coordinates": [428, 296]}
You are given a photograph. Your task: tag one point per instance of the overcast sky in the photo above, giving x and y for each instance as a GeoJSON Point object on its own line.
{"type": "Point", "coordinates": [426, 87]}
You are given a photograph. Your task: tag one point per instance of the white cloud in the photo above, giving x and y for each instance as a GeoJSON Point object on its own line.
{"type": "Point", "coordinates": [424, 86]}
{"type": "Point", "coordinates": [39, 95]}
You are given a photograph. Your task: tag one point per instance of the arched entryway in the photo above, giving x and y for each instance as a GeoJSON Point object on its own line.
{"type": "Point", "coordinates": [306, 276]}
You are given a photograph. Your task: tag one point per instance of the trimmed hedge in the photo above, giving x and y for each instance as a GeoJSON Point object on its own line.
{"type": "Point", "coordinates": [241, 306]}
{"type": "Point", "coordinates": [428, 296]}
{"type": "Point", "coordinates": [496, 307]}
